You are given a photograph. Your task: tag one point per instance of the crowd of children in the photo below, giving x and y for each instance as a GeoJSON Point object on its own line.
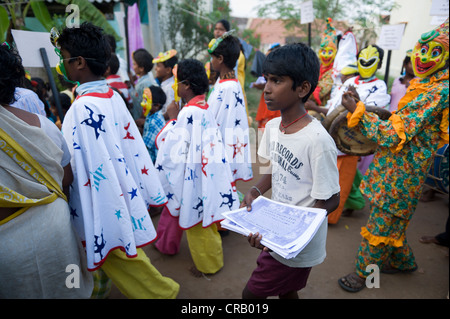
{"type": "Point", "coordinates": [176, 143]}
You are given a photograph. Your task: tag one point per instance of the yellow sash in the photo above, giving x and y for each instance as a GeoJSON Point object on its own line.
{"type": "Point", "coordinates": [10, 198]}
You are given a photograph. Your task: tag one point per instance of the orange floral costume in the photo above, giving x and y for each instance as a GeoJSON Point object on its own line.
{"type": "Point", "coordinates": [408, 142]}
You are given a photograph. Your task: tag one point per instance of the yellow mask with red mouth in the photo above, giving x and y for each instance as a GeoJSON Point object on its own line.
{"type": "Point", "coordinates": [328, 45]}
{"type": "Point", "coordinates": [327, 55]}
{"type": "Point", "coordinates": [431, 52]}
{"type": "Point", "coordinates": [428, 57]}
{"type": "Point", "coordinates": [368, 61]}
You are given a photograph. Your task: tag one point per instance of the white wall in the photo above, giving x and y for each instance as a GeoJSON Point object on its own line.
{"type": "Point", "coordinates": [416, 13]}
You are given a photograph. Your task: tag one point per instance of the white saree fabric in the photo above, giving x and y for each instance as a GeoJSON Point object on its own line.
{"type": "Point", "coordinates": [41, 255]}
{"type": "Point", "coordinates": [193, 167]}
{"type": "Point", "coordinates": [114, 178]}
{"type": "Point", "coordinates": [227, 104]}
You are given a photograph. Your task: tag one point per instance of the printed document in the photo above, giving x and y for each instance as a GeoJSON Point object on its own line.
{"type": "Point", "coordinates": [286, 229]}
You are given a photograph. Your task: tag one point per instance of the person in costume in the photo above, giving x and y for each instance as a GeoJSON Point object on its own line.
{"type": "Point", "coordinates": [345, 56]}
{"type": "Point", "coordinates": [222, 27]}
{"type": "Point", "coordinates": [38, 240]}
{"type": "Point", "coordinates": [407, 143]}
{"type": "Point", "coordinates": [373, 92]}
{"type": "Point", "coordinates": [164, 64]}
{"type": "Point", "coordinates": [115, 181]}
{"type": "Point", "coordinates": [303, 169]}
{"type": "Point", "coordinates": [195, 173]}
{"type": "Point", "coordinates": [227, 104]}
{"type": "Point", "coordinates": [327, 53]}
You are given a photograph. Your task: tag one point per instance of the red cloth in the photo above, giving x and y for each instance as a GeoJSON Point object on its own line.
{"type": "Point", "coordinates": [272, 278]}
{"type": "Point", "coordinates": [169, 233]}
{"type": "Point", "coordinates": [316, 93]}
{"type": "Point", "coordinates": [263, 115]}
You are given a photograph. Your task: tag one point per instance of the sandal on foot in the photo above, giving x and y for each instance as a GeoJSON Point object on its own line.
{"type": "Point", "coordinates": [352, 283]}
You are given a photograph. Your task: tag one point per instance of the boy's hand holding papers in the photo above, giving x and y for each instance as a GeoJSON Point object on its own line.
{"type": "Point", "coordinates": [285, 229]}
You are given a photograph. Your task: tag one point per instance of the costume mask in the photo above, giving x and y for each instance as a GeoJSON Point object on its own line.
{"type": "Point", "coordinates": [60, 69]}
{"type": "Point", "coordinates": [327, 55]}
{"type": "Point", "coordinates": [146, 102]}
{"type": "Point", "coordinates": [431, 52]}
{"type": "Point", "coordinates": [368, 61]}
{"type": "Point", "coordinates": [328, 45]}
{"type": "Point", "coordinates": [175, 83]}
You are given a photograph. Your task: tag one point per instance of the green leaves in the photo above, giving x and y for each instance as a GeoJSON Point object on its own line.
{"type": "Point", "coordinates": [41, 13]}
{"type": "Point", "coordinates": [4, 24]}
{"type": "Point", "coordinates": [88, 12]}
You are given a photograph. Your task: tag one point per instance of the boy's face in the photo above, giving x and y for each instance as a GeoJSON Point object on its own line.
{"type": "Point", "coordinates": [137, 69]}
{"type": "Point", "coordinates": [162, 72]}
{"type": "Point", "coordinates": [155, 108]}
{"type": "Point", "coordinates": [69, 65]}
{"type": "Point", "coordinates": [183, 90]}
{"type": "Point", "coordinates": [278, 92]}
{"type": "Point", "coordinates": [216, 63]}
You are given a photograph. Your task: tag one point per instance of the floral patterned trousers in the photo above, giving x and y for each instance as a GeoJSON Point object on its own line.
{"type": "Point", "coordinates": [384, 243]}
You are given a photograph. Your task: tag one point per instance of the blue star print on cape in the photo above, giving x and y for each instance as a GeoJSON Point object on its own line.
{"type": "Point", "coordinates": [198, 181]}
{"type": "Point", "coordinates": [95, 124]}
{"type": "Point", "coordinates": [227, 104]}
{"type": "Point", "coordinates": [115, 181]}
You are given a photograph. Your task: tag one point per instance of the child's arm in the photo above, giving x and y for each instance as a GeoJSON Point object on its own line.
{"type": "Point", "coordinates": [329, 205]}
{"type": "Point", "coordinates": [263, 185]}
{"type": "Point", "coordinates": [255, 239]}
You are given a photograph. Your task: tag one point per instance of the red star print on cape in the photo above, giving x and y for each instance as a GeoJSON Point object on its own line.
{"type": "Point", "coordinates": [237, 147]}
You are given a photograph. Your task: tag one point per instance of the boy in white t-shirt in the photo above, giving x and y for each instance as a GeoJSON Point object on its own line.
{"type": "Point", "coordinates": [303, 168]}
{"type": "Point", "coordinates": [165, 62]}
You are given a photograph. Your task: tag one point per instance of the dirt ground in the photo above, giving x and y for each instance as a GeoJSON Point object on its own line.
{"type": "Point", "coordinates": [430, 281]}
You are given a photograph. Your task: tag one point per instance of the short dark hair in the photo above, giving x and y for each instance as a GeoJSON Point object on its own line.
{"type": "Point", "coordinates": [171, 62]}
{"type": "Point", "coordinates": [114, 64]}
{"type": "Point", "coordinates": [158, 95]}
{"type": "Point", "coordinates": [89, 42]}
{"type": "Point", "coordinates": [194, 72]}
{"type": "Point", "coordinates": [112, 42]}
{"type": "Point", "coordinates": [64, 99]}
{"type": "Point", "coordinates": [144, 59]}
{"type": "Point", "coordinates": [406, 60]}
{"type": "Point", "coordinates": [225, 24]}
{"type": "Point", "coordinates": [380, 53]}
{"type": "Point", "coordinates": [229, 48]}
{"type": "Point", "coordinates": [297, 61]}
{"type": "Point", "coordinates": [12, 74]}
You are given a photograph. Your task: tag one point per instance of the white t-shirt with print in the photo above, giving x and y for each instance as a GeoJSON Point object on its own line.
{"type": "Point", "coordinates": [304, 169]}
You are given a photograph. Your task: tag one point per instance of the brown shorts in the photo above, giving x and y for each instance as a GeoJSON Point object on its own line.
{"type": "Point", "coordinates": [272, 278]}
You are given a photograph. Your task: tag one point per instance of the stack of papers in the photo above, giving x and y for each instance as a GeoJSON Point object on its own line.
{"type": "Point", "coordinates": [285, 229]}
